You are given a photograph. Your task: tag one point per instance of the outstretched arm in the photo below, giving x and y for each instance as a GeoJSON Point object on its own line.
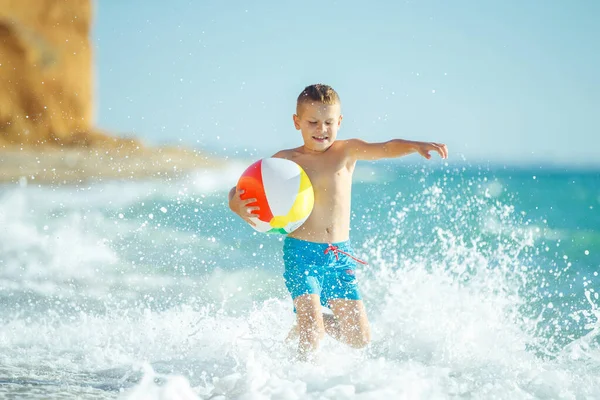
{"type": "Point", "coordinates": [394, 148]}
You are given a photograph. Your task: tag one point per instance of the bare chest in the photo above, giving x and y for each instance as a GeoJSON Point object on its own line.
{"type": "Point", "coordinates": [327, 175]}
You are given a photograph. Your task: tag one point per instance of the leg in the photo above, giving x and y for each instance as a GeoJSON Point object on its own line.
{"type": "Point", "coordinates": [310, 324]}
{"type": "Point", "coordinates": [329, 322]}
{"type": "Point", "coordinates": [331, 326]}
{"type": "Point", "coordinates": [352, 322]}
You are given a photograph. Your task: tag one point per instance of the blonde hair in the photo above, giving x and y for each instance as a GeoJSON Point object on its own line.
{"type": "Point", "coordinates": [318, 93]}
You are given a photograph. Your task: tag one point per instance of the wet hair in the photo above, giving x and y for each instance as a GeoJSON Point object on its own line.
{"type": "Point", "coordinates": [318, 93]}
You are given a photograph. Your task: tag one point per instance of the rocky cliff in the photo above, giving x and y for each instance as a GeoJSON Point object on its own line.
{"type": "Point", "coordinates": [47, 98]}
{"type": "Point", "coordinates": [46, 81]}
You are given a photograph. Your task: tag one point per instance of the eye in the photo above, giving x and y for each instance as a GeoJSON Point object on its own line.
{"type": "Point", "coordinates": [328, 123]}
{"type": "Point", "coordinates": [312, 122]}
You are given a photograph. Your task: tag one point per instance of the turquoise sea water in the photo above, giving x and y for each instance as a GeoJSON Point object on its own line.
{"type": "Point", "coordinates": [482, 283]}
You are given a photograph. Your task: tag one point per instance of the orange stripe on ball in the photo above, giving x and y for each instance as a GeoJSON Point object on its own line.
{"type": "Point", "coordinates": [252, 184]}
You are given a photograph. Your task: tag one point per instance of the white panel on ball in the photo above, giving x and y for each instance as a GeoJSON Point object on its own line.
{"type": "Point", "coordinates": [281, 181]}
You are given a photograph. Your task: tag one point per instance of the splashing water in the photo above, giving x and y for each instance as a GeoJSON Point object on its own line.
{"type": "Point", "coordinates": [153, 290]}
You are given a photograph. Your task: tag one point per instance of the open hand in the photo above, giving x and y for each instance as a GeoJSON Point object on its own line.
{"type": "Point", "coordinates": [424, 148]}
{"type": "Point", "coordinates": [242, 207]}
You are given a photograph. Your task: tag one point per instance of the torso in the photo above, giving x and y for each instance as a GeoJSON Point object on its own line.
{"type": "Point", "coordinates": [330, 173]}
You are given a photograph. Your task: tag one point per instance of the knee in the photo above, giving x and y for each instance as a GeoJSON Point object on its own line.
{"type": "Point", "coordinates": [361, 339]}
{"type": "Point", "coordinates": [311, 327]}
{"type": "Point", "coordinates": [312, 330]}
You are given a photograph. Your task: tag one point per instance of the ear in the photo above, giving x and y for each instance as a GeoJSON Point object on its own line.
{"type": "Point", "coordinates": [340, 120]}
{"type": "Point", "coordinates": [296, 121]}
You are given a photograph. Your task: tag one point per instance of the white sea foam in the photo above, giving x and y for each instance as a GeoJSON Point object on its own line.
{"type": "Point", "coordinates": [84, 309]}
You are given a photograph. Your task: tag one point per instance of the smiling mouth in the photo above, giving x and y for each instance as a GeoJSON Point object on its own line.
{"type": "Point", "coordinates": [320, 138]}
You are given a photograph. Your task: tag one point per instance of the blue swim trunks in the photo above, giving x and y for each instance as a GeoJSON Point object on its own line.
{"type": "Point", "coordinates": [320, 268]}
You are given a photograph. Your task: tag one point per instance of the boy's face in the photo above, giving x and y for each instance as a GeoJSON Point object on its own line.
{"type": "Point", "coordinates": [319, 124]}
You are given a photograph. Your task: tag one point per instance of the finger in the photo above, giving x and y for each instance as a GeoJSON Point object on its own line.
{"type": "Point", "coordinates": [443, 149]}
{"type": "Point", "coordinates": [254, 208]}
{"type": "Point", "coordinates": [249, 201]}
{"type": "Point", "coordinates": [438, 148]}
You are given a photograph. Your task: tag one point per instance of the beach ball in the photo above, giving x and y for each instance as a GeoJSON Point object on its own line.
{"type": "Point", "coordinates": [282, 191]}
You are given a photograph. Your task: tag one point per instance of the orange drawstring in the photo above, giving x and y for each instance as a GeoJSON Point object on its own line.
{"type": "Point", "coordinates": [336, 250]}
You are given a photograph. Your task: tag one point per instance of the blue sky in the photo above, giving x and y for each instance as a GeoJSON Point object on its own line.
{"type": "Point", "coordinates": [502, 81]}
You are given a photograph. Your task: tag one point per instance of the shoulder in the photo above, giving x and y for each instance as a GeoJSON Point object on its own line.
{"type": "Point", "coordinates": [344, 151]}
{"type": "Point", "coordinates": [349, 147]}
{"type": "Point", "coordinates": [286, 153]}
{"type": "Point", "coordinates": [353, 143]}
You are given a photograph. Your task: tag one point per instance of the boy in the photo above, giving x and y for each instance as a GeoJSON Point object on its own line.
{"type": "Point", "coordinates": [318, 258]}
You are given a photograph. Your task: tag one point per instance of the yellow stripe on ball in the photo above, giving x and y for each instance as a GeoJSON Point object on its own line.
{"type": "Point", "coordinates": [279, 221]}
{"type": "Point", "coordinates": [305, 200]}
